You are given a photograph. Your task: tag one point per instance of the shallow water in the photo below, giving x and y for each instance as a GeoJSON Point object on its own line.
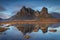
{"type": "Point", "coordinates": [14, 34]}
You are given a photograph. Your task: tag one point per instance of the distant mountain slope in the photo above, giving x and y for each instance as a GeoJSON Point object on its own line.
{"type": "Point", "coordinates": [56, 15]}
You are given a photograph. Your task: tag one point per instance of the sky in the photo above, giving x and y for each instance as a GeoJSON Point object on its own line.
{"type": "Point", "coordinates": [9, 8]}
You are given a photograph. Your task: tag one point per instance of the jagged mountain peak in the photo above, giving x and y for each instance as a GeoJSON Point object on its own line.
{"type": "Point", "coordinates": [24, 13]}
{"type": "Point", "coordinates": [28, 13]}
{"type": "Point", "coordinates": [44, 10]}
{"type": "Point", "coordinates": [44, 13]}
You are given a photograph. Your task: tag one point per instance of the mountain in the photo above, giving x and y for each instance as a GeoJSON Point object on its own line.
{"type": "Point", "coordinates": [44, 13]}
{"type": "Point", "coordinates": [29, 14]}
{"type": "Point", "coordinates": [24, 13]}
{"type": "Point", "coordinates": [56, 15]}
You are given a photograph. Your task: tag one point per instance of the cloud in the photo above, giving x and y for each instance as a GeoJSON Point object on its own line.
{"type": "Point", "coordinates": [4, 16]}
{"type": "Point", "coordinates": [2, 8]}
{"type": "Point", "coordinates": [54, 9]}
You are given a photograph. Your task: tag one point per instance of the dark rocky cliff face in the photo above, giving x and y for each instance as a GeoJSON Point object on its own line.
{"type": "Point", "coordinates": [29, 14]}
{"type": "Point", "coordinates": [44, 13]}
{"type": "Point", "coordinates": [24, 13]}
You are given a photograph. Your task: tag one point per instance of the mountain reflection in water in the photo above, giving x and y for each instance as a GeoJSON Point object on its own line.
{"type": "Point", "coordinates": [35, 33]}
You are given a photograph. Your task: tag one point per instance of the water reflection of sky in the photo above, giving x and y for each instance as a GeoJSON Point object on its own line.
{"type": "Point", "coordinates": [14, 34]}
{"type": "Point", "coordinates": [46, 36]}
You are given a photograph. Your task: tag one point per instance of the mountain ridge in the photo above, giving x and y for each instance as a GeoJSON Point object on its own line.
{"type": "Point", "coordinates": [56, 15]}
{"type": "Point", "coordinates": [30, 14]}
